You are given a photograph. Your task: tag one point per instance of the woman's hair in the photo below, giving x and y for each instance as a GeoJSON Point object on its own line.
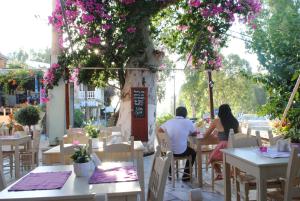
{"type": "Point", "coordinates": [227, 119]}
{"type": "Point", "coordinates": [181, 111]}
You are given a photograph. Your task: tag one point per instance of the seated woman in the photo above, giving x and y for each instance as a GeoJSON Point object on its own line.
{"type": "Point", "coordinates": [220, 127]}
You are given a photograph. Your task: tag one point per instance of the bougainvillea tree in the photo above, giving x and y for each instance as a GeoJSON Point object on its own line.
{"type": "Point", "coordinates": [117, 36]}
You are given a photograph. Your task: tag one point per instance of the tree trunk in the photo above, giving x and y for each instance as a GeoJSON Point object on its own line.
{"type": "Point", "coordinates": [141, 78]}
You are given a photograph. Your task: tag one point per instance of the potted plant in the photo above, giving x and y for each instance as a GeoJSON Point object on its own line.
{"type": "Point", "coordinates": [27, 116]}
{"type": "Point", "coordinates": [81, 159]}
{"type": "Point", "coordinates": [93, 133]}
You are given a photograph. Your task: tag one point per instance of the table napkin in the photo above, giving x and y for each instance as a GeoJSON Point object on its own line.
{"type": "Point", "coordinates": [117, 174]}
{"type": "Point", "coordinates": [42, 181]}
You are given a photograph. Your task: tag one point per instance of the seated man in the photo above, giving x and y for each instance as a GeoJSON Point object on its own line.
{"type": "Point", "coordinates": [178, 130]}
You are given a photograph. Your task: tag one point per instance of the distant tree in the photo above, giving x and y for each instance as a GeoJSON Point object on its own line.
{"type": "Point", "coordinates": [42, 55]}
{"type": "Point", "coordinates": [276, 41]}
{"type": "Point", "coordinates": [17, 59]}
{"type": "Point", "coordinates": [230, 86]}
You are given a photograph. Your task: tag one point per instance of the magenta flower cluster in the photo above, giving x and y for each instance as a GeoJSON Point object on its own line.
{"type": "Point", "coordinates": [49, 78]}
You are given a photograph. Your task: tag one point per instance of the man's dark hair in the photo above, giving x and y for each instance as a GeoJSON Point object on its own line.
{"type": "Point", "coordinates": [181, 112]}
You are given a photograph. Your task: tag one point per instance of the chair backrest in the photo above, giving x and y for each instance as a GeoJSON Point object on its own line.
{"type": "Point", "coordinates": [72, 131]}
{"type": "Point", "coordinates": [123, 151]}
{"type": "Point", "coordinates": [273, 139]}
{"type": "Point", "coordinates": [2, 181]}
{"type": "Point", "coordinates": [36, 140]}
{"type": "Point", "coordinates": [293, 173]}
{"type": "Point", "coordinates": [108, 130]}
{"type": "Point", "coordinates": [241, 140]}
{"type": "Point", "coordinates": [70, 149]}
{"type": "Point", "coordinates": [159, 174]}
{"type": "Point", "coordinates": [163, 141]}
{"type": "Point", "coordinates": [81, 138]}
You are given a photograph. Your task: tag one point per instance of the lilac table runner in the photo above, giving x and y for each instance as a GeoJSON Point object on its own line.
{"type": "Point", "coordinates": [42, 181]}
{"type": "Point", "coordinates": [117, 174]}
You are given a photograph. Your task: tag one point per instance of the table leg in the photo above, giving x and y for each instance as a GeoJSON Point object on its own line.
{"type": "Point", "coordinates": [199, 164]}
{"type": "Point", "coordinates": [227, 184]}
{"type": "Point", "coordinates": [17, 162]}
{"type": "Point", "coordinates": [140, 167]}
{"type": "Point", "coordinates": [1, 159]}
{"type": "Point", "coordinates": [261, 191]}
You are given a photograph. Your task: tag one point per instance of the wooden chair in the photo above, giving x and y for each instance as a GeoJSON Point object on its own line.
{"type": "Point", "coordinates": [165, 146]}
{"type": "Point", "coordinates": [159, 174]}
{"type": "Point", "coordinates": [9, 154]}
{"type": "Point", "coordinates": [123, 151]}
{"type": "Point", "coordinates": [30, 157]}
{"type": "Point", "coordinates": [2, 181]}
{"type": "Point", "coordinates": [291, 186]}
{"type": "Point", "coordinates": [245, 182]}
{"type": "Point", "coordinates": [81, 138]}
{"type": "Point", "coordinates": [67, 151]}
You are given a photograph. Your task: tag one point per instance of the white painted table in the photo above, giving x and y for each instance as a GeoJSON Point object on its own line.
{"type": "Point", "coordinates": [77, 188]}
{"type": "Point", "coordinates": [251, 161]}
{"type": "Point", "coordinates": [14, 141]}
{"type": "Point", "coordinates": [52, 156]}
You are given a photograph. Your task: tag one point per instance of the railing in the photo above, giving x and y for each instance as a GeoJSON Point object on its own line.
{"type": "Point", "coordinates": [90, 94]}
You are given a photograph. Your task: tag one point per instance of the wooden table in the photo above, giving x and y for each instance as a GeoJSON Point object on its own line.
{"type": "Point", "coordinates": [254, 163]}
{"type": "Point", "coordinates": [15, 142]}
{"type": "Point", "coordinates": [52, 156]}
{"type": "Point", "coordinates": [77, 188]}
{"type": "Point", "coordinates": [197, 143]}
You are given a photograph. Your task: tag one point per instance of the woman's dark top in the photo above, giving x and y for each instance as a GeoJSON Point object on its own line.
{"type": "Point", "coordinates": [223, 136]}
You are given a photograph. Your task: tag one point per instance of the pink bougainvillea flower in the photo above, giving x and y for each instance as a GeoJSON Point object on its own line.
{"type": "Point", "coordinates": [44, 100]}
{"type": "Point", "coordinates": [87, 18]}
{"type": "Point", "coordinates": [76, 142]}
{"type": "Point", "coordinates": [106, 26]}
{"type": "Point", "coordinates": [182, 27]}
{"type": "Point", "coordinates": [131, 29]}
{"type": "Point", "coordinates": [195, 3]}
{"type": "Point", "coordinates": [127, 2]}
{"type": "Point", "coordinates": [94, 40]}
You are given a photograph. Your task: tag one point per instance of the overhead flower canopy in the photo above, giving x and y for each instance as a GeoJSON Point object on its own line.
{"type": "Point", "coordinates": [107, 33]}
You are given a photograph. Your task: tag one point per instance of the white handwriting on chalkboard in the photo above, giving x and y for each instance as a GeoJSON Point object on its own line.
{"type": "Point", "coordinates": [139, 103]}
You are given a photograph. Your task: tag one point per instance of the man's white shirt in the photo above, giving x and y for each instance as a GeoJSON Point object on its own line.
{"type": "Point", "coordinates": [178, 130]}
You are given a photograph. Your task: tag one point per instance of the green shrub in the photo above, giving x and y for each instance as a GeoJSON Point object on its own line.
{"type": "Point", "coordinates": [27, 116]}
{"type": "Point", "coordinates": [163, 119]}
{"type": "Point", "coordinates": [78, 118]}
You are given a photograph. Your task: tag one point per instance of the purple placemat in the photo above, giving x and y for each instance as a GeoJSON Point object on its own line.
{"type": "Point", "coordinates": [117, 174]}
{"type": "Point", "coordinates": [42, 181]}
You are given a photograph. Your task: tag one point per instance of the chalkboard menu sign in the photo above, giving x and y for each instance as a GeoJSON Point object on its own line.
{"type": "Point", "coordinates": [138, 103]}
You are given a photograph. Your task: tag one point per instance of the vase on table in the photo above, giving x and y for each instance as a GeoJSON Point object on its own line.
{"type": "Point", "coordinates": [95, 143]}
{"type": "Point", "coordinates": [82, 169]}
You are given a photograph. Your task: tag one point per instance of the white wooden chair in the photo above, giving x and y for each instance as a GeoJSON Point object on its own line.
{"type": "Point", "coordinates": [2, 181]}
{"type": "Point", "coordinates": [30, 157]}
{"type": "Point", "coordinates": [165, 146]}
{"type": "Point", "coordinates": [291, 185]}
{"type": "Point", "coordinates": [81, 138]}
{"type": "Point", "coordinates": [67, 151]}
{"type": "Point", "coordinates": [123, 151]}
{"type": "Point", "coordinates": [159, 174]}
{"type": "Point", "coordinates": [9, 154]}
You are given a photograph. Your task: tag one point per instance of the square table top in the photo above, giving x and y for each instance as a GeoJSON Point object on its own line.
{"type": "Point", "coordinates": [75, 187]}
{"type": "Point", "coordinates": [253, 156]}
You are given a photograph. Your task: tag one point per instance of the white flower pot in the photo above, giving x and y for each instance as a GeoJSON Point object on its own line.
{"type": "Point", "coordinates": [82, 169]}
{"type": "Point", "coordinates": [95, 143]}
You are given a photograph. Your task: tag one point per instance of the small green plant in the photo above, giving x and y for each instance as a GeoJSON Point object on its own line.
{"type": "Point", "coordinates": [27, 116]}
{"type": "Point", "coordinates": [81, 155]}
{"type": "Point", "coordinates": [91, 130]}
